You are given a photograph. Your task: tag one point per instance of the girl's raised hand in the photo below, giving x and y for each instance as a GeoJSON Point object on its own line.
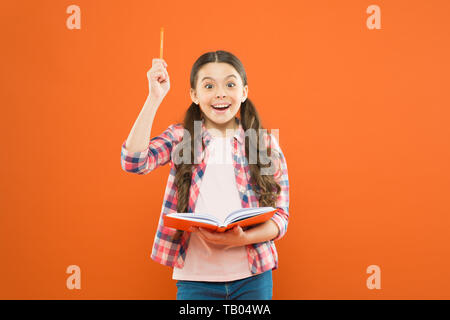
{"type": "Point", "coordinates": [158, 80]}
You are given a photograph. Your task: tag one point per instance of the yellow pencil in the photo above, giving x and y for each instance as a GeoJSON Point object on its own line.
{"type": "Point", "coordinates": [161, 43]}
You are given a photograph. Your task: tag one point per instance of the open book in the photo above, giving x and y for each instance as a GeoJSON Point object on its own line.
{"type": "Point", "coordinates": [243, 217]}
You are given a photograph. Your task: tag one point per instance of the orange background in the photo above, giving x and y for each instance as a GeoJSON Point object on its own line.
{"type": "Point", "coordinates": [363, 117]}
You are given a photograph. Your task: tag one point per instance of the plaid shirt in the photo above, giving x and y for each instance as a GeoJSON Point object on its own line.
{"type": "Point", "coordinates": [170, 249]}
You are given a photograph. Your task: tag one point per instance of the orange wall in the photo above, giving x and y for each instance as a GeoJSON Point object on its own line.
{"type": "Point", "coordinates": [363, 117]}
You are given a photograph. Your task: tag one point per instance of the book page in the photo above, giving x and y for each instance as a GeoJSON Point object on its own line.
{"type": "Point", "coordinates": [245, 213]}
{"type": "Point", "coordinates": [201, 217]}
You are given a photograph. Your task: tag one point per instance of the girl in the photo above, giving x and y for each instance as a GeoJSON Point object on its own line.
{"type": "Point", "coordinates": [218, 179]}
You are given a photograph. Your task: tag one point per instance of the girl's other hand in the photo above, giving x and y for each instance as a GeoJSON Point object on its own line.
{"type": "Point", "coordinates": [193, 229]}
{"type": "Point", "coordinates": [158, 80]}
{"type": "Point", "coordinates": [232, 238]}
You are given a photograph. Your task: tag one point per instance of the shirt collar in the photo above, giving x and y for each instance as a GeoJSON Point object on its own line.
{"type": "Point", "coordinates": [239, 135]}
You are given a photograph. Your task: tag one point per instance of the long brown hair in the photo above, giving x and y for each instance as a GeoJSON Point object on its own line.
{"type": "Point", "coordinates": [265, 186]}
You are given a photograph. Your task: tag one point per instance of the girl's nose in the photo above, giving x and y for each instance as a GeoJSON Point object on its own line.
{"type": "Point", "coordinates": [220, 92]}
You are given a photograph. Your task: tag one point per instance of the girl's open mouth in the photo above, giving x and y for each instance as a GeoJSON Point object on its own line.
{"type": "Point", "coordinates": [221, 108]}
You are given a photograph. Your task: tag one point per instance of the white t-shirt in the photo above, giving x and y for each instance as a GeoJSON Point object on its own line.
{"type": "Point", "coordinates": [218, 195]}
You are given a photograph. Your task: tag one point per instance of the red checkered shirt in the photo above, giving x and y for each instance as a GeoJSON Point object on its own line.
{"type": "Point", "coordinates": [169, 249]}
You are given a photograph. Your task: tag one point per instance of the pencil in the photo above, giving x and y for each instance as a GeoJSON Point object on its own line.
{"type": "Point", "coordinates": [161, 43]}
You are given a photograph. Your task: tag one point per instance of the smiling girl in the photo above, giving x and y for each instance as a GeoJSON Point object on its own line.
{"type": "Point", "coordinates": [236, 264]}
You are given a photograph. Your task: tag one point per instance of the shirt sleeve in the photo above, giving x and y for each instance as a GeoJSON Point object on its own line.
{"type": "Point", "coordinates": [157, 154]}
{"type": "Point", "coordinates": [281, 217]}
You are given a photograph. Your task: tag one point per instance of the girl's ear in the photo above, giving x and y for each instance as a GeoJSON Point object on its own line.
{"type": "Point", "coordinates": [194, 96]}
{"type": "Point", "coordinates": [245, 93]}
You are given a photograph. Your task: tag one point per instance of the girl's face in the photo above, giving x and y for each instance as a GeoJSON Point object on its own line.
{"type": "Point", "coordinates": [219, 85]}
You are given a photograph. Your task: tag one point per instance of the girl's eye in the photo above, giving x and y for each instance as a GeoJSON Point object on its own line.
{"type": "Point", "coordinates": [206, 86]}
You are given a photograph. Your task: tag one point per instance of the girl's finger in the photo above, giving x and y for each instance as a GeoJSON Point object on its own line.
{"type": "Point", "coordinates": [158, 69]}
{"type": "Point", "coordinates": [159, 61]}
{"type": "Point", "coordinates": [158, 76]}
{"type": "Point", "coordinates": [207, 233]}
{"type": "Point", "coordinates": [166, 73]}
